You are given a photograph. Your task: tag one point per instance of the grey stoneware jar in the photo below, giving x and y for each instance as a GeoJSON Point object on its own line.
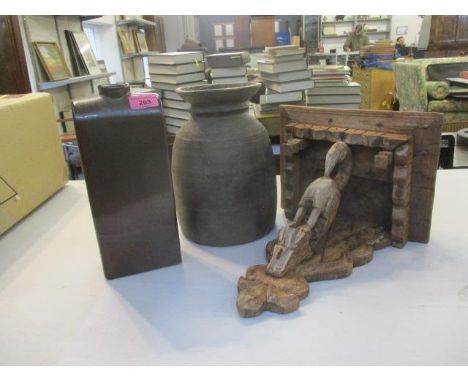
{"type": "Point", "coordinates": [223, 168]}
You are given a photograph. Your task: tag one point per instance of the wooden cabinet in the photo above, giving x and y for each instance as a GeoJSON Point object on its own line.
{"type": "Point", "coordinates": [263, 30]}
{"type": "Point", "coordinates": [449, 36]}
{"type": "Point", "coordinates": [375, 85]}
{"type": "Point", "coordinates": [443, 29]}
{"type": "Point", "coordinates": [462, 30]}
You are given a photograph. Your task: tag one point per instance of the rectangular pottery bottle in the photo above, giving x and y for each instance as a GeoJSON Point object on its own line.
{"type": "Point", "coordinates": [122, 141]}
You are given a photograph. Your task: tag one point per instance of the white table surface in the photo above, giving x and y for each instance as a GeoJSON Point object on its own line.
{"type": "Point", "coordinates": [407, 306]}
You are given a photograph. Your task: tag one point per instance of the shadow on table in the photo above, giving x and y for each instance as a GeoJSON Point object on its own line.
{"type": "Point", "coordinates": [193, 305]}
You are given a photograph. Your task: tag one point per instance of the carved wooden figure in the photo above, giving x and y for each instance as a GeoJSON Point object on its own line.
{"type": "Point", "coordinates": [353, 181]}
{"type": "Point", "coordinates": [315, 214]}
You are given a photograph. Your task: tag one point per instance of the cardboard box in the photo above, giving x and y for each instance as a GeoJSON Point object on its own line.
{"type": "Point", "coordinates": [32, 163]}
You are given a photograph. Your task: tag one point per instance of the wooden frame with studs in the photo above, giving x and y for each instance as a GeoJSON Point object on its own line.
{"type": "Point", "coordinates": [413, 139]}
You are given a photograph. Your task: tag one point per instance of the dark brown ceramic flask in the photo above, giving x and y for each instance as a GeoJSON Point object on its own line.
{"type": "Point", "coordinates": [123, 148]}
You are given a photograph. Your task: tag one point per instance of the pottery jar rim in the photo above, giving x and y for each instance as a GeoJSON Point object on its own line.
{"type": "Point", "coordinates": [218, 95]}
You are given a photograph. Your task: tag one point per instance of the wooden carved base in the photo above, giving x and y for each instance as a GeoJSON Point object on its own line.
{"type": "Point", "coordinates": [352, 247]}
{"type": "Point", "coordinates": [258, 291]}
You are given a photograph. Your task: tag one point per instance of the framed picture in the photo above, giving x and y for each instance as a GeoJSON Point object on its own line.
{"type": "Point", "coordinates": [125, 42]}
{"type": "Point", "coordinates": [219, 43]}
{"type": "Point", "coordinates": [51, 58]}
{"type": "Point", "coordinates": [229, 29]}
{"type": "Point", "coordinates": [402, 30]}
{"type": "Point", "coordinates": [140, 41]}
{"type": "Point", "coordinates": [218, 30]}
{"type": "Point", "coordinates": [86, 52]}
{"type": "Point", "coordinates": [78, 65]}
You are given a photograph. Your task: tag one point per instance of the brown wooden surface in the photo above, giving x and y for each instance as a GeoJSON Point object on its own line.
{"type": "Point", "coordinates": [242, 31]}
{"type": "Point", "coordinates": [443, 29]}
{"type": "Point", "coordinates": [258, 291]}
{"type": "Point", "coordinates": [448, 35]}
{"type": "Point", "coordinates": [68, 137]}
{"type": "Point", "coordinates": [462, 30]}
{"type": "Point", "coordinates": [263, 30]}
{"type": "Point", "coordinates": [14, 77]}
{"type": "Point", "coordinates": [424, 129]}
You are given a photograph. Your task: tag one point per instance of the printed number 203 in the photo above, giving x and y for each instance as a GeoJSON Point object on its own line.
{"type": "Point", "coordinates": [144, 102]}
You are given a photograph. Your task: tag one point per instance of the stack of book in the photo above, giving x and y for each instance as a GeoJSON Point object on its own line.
{"type": "Point", "coordinates": [283, 70]}
{"type": "Point", "coordinates": [168, 71]}
{"type": "Point", "coordinates": [344, 96]}
{"type": "Point", "coordinates": [381, 49]}
{"type": "Point", "coordinates": [228, 68]}
{"type": "Point", "coordinates": [326, 75]}
{"type": "Point", "coordinates": [333, 87]}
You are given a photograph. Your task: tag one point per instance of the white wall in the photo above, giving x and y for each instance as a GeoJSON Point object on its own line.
{"type": "Point", "coordinates": [413, 23]}
{"type": "Point", "coordinates": [176, 28]}
{"type": "Point", "coordinates": [174, 32]}
{"type": "Point", "coordinates": [106, 38]}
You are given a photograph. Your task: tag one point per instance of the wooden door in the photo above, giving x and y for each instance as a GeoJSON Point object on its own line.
{"type": "Point", "coordinates": [14, 77]}
{"type": "Point", "coordinates": [263, 31]}
{"type": "Point", "coordinates": [242, 31]}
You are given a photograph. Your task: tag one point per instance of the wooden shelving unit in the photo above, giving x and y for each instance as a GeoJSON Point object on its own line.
{"type": "Point", "coordinates": [52, 28]}
{"type": "Point", "coordinates": [134, 65]}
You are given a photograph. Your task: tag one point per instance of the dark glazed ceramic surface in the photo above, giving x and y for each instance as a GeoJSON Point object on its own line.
{"type": "Point", "coordinates": [124, 155]}
{"type": "Point", "coordinates": [223, 168]}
